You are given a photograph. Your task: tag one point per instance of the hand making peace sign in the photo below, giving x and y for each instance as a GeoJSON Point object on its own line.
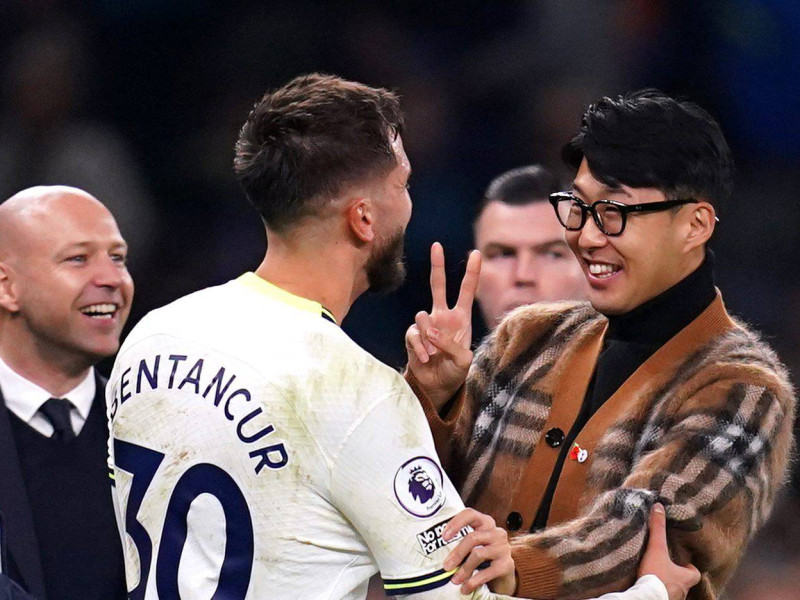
{"type": "Point", "coordinates": [438, 344]}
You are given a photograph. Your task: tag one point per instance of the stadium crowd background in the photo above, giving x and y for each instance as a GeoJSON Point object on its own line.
{"type": "Point", "coordinates": [139, 102]}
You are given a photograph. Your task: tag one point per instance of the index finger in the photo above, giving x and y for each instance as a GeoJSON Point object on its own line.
{"type": "Point", "coordinates": [468, 516]}
{"type": "Point", "coordinates": [438, 278]}
{"type": "Point", "coordinates": [469, 284]}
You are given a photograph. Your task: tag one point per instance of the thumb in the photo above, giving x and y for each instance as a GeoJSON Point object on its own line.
{"type": "Point", "coordinates": [658, 529]}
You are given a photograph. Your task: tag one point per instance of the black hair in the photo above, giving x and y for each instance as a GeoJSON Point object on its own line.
{"type": "Point", "coordinates": [646, 139]}
{"type": "Point", "coordinates": [520, 187]}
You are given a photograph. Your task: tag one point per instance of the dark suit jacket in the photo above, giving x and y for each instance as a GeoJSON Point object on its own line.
{"type": "Point", "coordinates": [11, 591]}
{"type": "Point", "coordinates": [22, 545]}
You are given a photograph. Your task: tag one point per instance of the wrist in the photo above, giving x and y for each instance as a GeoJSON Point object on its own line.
{"type": "Point", "coordinates": [436, 395]}
{"type": "Point", "coordinates": [504, 585]}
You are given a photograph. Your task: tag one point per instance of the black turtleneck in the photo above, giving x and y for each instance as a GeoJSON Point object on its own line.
{"type": "Point", "coordinates": [630, 340]}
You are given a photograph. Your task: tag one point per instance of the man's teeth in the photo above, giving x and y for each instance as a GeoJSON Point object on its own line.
{"type": "Point", "coordinates": [100, 311]}
{"type": "Point", "coordinates": [602, 269]}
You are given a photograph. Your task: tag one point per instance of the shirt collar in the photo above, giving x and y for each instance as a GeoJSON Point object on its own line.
{"type": "Point", "coordinates": [262, 286]}
{"type": "Point", "coordinates": [24, 397]}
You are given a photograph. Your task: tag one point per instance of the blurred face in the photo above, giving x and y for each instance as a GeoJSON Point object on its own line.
{"type": "Point", "coordinates": [70, 291]}
{"type": "Point", "coordinates": [525, 259]}
{"type": "Point", "coordinates": [385, 268]}
{"type": "Point", "coordinates": [648, 258]}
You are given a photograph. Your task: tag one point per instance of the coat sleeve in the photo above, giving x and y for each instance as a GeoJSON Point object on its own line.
{"type": "Point", "coordinates": [715, 462]}
{"type": "Point", "coordinates": [453, 427]}
{"type": "Point", "coordinates": [450, 447]}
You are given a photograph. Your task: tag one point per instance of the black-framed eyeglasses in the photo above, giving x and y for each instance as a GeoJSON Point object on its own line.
{"type": "Point", "coordinates": [609, 216]}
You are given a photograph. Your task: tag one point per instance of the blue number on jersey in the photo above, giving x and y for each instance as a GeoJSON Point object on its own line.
{"type": "Point", "coordinates": [142, 463]}
{"type": "Point", "coordinates": [234, 577]}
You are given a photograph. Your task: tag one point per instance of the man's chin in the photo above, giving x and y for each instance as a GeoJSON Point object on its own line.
{"type": "Point", "coordinates": [99, 349]}
{"type": "Point", "coordinates": [605, 305]}
{"type": "Point", "coordinates": [386, 268]}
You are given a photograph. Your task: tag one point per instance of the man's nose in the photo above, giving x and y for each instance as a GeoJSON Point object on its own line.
{"type": "Point", "coordinates": [108, 273]}
{"type": "Point", "coordinates": [526, 269]}
{"type": "Point", "coordinates": [591, 237]}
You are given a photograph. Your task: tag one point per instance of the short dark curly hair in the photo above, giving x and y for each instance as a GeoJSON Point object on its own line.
{"type": "Point", "coordinates": [304, 142]}
{"type": "Point", "coordinates": [648, 139]}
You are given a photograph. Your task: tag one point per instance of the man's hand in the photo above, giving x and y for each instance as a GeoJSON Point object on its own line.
{"type": "Point", "coordinates": [656, 560]}
{"type": "Point", "coordinates": [438, 344]}
{"type": "Point", "coordinates": [487, 543]}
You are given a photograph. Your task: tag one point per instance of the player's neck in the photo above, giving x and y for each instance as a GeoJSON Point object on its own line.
{"type": "Point", "coordinates": [47, 367]}
{"type": "Point", "coordinates": [323, 274]}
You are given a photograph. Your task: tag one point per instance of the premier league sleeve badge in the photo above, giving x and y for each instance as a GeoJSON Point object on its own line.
{"type": "Point", "coordinates": [418, 487]}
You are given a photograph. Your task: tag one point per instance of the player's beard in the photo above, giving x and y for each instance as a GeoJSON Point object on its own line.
{"type": "Point", "coordinates": [386, 269]}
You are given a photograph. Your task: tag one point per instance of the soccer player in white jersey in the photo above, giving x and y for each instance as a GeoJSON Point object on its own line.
{"type": "Point", "coordinates": [257, 451]}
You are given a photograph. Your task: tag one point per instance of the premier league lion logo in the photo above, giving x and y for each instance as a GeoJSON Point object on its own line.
{"type": "Point", "coordinates": [419, 487]}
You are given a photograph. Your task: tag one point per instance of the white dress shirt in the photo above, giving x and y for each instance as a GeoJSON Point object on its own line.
{"type": "Point", "coordinates": [24, 398]}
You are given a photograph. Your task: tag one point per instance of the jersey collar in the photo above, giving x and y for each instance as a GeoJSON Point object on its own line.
{"type": "Point", "coordinates": [262, 286]}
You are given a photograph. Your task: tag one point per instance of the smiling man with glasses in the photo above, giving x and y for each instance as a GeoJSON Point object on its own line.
{"type": "Point", "coordinates": [609, 216]}
{"type": "Point", "coordinates": [574, 418]}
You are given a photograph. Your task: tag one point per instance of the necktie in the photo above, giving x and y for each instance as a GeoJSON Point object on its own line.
{"type": "Point", "coordinates": [56, 410]}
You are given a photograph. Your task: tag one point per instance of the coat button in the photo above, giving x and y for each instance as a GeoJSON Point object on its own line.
{"type": "Point", "coordinates": [554, 437]}
{"type": "Point", "coordinates": [514, 521]}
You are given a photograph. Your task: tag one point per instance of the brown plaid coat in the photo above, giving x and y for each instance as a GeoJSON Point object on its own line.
{"type": "Point", "coordinates": [703, 426]}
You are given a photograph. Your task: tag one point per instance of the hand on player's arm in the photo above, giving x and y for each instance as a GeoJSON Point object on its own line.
{"type": "Point", "coordinates": [438, 344]}
{"type": "Point", "coordinates": [656, 560]}
{"type": "Point", "coordinates": [487, 543]}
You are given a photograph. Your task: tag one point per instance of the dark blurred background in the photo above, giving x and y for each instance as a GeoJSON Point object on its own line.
{"type": "Point", "coordinates": [139, 102]}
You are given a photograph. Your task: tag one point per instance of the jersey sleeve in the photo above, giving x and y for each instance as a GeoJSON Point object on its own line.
{"type": "Point", "coordinates": [387, 480]}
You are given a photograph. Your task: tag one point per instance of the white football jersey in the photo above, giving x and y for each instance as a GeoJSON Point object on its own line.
{"type": "Point", "coordinates": [257, 452]}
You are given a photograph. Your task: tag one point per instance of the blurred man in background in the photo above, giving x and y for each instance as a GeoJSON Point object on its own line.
{"type": "Point", "coordinates": [65, 294]}
{"type": "Point", "coordinates": [525, 256]}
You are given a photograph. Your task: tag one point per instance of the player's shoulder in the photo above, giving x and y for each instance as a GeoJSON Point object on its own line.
{"type": "Point", "coordinates": [344, 372]}
{"type": "Point", "coordinates": [336, 383]}
{"type": "Point", "coordinates": [236, 312]}
{"type": "Point", "coordinates": [187, 307]}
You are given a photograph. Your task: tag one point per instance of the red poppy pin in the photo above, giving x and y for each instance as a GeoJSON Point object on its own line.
{"type": "Point", "coordinates": [578, 453]}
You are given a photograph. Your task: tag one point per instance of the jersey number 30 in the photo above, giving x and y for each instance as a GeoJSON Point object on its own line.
{"type": "Point", "coordinates": [234, 576]}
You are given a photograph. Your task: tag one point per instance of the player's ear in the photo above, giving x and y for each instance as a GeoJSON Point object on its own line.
{"type": "Point", "coordinates": [8, 291]}
{"type": "Point", "coordinates": [360, 213]}
{"type": "Point", "coordinates": [700, 225]}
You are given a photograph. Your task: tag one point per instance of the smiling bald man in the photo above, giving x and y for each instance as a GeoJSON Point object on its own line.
{"type": "Point", "coordinates": [65, 294]}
